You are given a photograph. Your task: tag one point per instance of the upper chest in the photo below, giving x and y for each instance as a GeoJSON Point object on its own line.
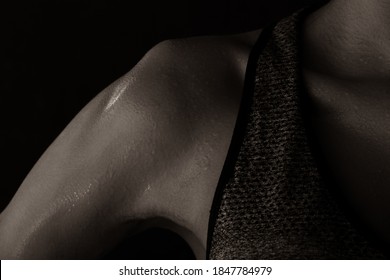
{"type": "Point", "coordinates": [351, 125]}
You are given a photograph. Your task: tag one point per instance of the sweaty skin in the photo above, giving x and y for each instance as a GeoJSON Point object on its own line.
{"type": "Point", "coordinates": [150, 148]}
{"type": "Point", "coordinates": [147, 151]}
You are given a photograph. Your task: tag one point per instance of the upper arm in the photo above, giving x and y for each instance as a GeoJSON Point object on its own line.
{"type": "Point", "coordinates": [85, 188]}
{"type": "Point", "coordinates": [136, 151]}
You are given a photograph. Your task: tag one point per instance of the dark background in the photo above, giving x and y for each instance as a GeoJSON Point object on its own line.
{"type": "Point", "coordinates": [57, 55]}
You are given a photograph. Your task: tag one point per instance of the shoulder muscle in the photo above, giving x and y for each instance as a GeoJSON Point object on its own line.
{"type": "Point", "coordinates": [140, 149]}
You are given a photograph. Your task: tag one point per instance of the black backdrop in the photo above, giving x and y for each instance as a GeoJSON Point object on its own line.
{"type": "Point", "coordinates": [57, 55]}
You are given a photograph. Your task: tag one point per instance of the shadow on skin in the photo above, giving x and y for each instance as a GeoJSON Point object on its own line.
{"type": "Point", "coordinates": [152, 244]}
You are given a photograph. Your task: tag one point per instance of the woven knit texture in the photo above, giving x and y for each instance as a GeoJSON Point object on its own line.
{"type": "Point", "coordinates": [275, 204]}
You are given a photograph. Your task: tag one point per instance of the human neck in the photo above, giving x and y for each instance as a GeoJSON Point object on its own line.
{"type": "Point", "coordinates": [350, 39]}
{"type": "Point", "coordinates": [346, 51]}
{"type": "Point", "coordinates": [362, 12]}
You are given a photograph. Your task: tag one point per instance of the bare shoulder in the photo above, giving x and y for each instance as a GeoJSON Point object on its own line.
{"type": "Point", "coordinates": [193, 87]}
{"type": "Point", "coordinates": [150, 147]}
{"type": "Point", "coordinates": [192, 81]}
{"type": "Point", "coordinates": [201, 69]}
